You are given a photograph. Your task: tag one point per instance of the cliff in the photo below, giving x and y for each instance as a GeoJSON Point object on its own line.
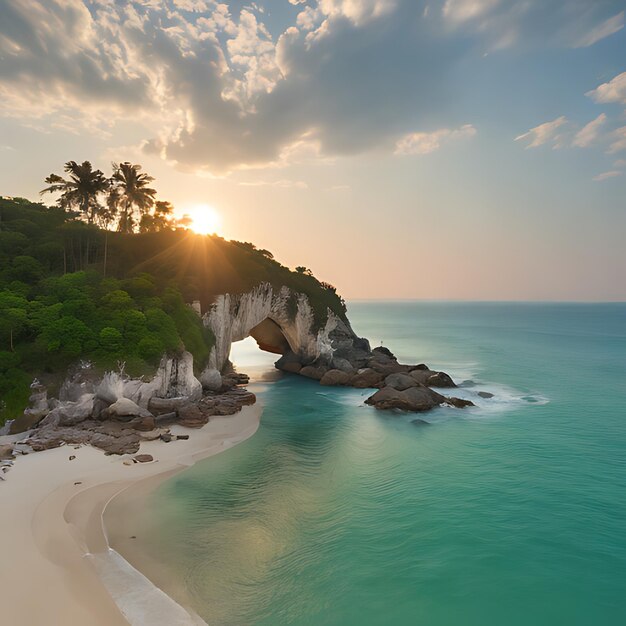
{"type": "Point", "coordinates": [282, 321]}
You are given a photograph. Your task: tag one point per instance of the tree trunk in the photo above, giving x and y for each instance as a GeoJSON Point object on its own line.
{"type": "Point", "coordinates": [106, 250]}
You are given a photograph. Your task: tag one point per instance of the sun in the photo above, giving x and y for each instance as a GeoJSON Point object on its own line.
{"type": "Point", "coordinates": [204, 219]}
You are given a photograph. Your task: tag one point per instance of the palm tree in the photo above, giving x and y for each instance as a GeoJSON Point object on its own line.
{"type": "Point", "coordinates": [80, 190]}
{"type": "Point", "coordinates": [130, 193]}
{"type": "Point", "coordinates": [160, 219]}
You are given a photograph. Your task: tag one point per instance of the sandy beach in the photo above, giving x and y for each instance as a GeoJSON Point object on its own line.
{"type": "Point", "coordinates": [58, 568]}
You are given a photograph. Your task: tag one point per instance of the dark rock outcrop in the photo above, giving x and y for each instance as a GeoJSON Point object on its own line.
{"type": "Point", "coordinates": [418, 398]}
{"type": "Point", "coordinates": [335, 378]}
{"type": "Point", "coordinates": [354, 364]}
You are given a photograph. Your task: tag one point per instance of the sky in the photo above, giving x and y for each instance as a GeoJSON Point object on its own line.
{"type": "Point", "coordinates": [450, 149]}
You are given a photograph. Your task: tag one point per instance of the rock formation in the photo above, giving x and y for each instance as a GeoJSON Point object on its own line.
{"type": "Point", "coordinates": [331, 354]}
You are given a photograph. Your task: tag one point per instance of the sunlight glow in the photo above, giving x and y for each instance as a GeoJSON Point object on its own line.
{"type": "Point", "coordinates": [204, 219]}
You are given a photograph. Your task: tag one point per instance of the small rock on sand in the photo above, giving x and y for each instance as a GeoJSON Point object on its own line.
{"type": "Point", "coordinates": [143, 458]}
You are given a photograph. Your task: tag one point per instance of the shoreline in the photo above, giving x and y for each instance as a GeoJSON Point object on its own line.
{"type": "Point", "coordinates": [55, 540]}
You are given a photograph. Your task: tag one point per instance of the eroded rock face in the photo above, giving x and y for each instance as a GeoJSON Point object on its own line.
{"type": "Point", "coordinates": [291, 327]}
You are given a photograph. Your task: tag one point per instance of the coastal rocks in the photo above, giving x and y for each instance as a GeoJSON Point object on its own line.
{"type": "Point", "coordinates": [335, 377]}
{"type": "Point", "coordinates": [367, 378]}
{"type": "Point", "coordinates": [400, 381]}
{"type": "Point", "coordinates": [111, 437]}
{"type": "Point", "coordinates": [281, 321]}
{"type": "Point", "coordinates": [485, 394]}
{"type": "Point", "coordinates": [70, 413]}
{"type": "Point", "coordinates": [412, 399]}
{"type": "Point", "coordinates": [143, 458]}
{"type": "Point", "coordinates": [311, 371]}
{"type": "Point", "coordinates": [38, 403]}
{"type": "Point", "coordinates": [459, 403]}
{"type": "Point", "coordinates": [6, 451]}
{"type": "Point", "coordinates": [211, 379]}
{"type": "Point", "coordinates": [124, 409]}
{"type": "Point", "coordinates": [289, 362]}
{"type": "Point", "coordinates": [427, 377]}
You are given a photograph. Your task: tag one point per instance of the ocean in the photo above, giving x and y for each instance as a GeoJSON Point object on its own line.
{"type": "Point", "coordinates": [333, 514]}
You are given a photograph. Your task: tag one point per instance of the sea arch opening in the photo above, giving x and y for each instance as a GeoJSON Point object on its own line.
{"type": "Point", "coordinates": [261, 348]}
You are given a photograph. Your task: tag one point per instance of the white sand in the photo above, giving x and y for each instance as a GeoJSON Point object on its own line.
{"type": "Point", "coordinates": [57, 568]}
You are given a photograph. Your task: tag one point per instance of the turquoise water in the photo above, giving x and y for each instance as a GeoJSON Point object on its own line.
{"type": "Point", "coordinates": [510, 513]}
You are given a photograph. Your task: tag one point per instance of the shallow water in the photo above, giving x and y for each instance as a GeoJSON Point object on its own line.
{"type": "Point", "coordinates": [513, 512]}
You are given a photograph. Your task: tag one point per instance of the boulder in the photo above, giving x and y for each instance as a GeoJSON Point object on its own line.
{"type": "Point", "coordinates": [342, 364]}
{"type": "Point", "coordinates": [159, 406]}
{"type": "Point", "coordinates": [366, 378]}
{"type": "Point", "coordinates": [335, 378]}
{"type": "Point", "coordinates": [459, 403]}
{"type": "Point", "coordinates": [144, 424]}
{"type": "Point", "coordinates": [293, 367]}
{"type": "Point", "coordinates": [143, 458]}
{"type": "Point", "coordinates": [381, 350]}
{"type": "Point", "coordinates": [440, 379]}
{"type": "Point", "coordinates": [165, 418]}
{"type": "Point", "coordinates": [413, 399]}
{"type": "Point", "coordinates": [386, 368]}
{"type": "Point", "coordinates": [211, 379]}
{"type": "Point", "coordinates": [6, 451]}
{"type": "Point", "coordinates": [192, 416]}
{"type": "Point", "coordinates": [38, 405]}
{"type": "Point", "coordinates": [70, 413]}
{"type": "Point", "coordinates": [314, 372]}
{"type": "Point", "coordinates": [485, 394]}
{"type": "Point", "coordinates": [289, 362]}
{"type": "Point", "coordinates": [124, 410]}
{"type": "Point", "coordinates": [420, 375]}
{"type": "Point", "coordinates": [400, 381]}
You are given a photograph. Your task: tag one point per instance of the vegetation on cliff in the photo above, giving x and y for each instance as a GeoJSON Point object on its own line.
{"type": "Point", "coordinates": [72, 289]}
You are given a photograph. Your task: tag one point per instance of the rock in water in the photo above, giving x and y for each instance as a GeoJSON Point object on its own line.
{"type": "Point", "coordinates": [412, 399]}
{"type": "Point", "coordinates": [316, 373]}
{"type": "Point", "coordinates": [400, 381]}
{"type": "Point", "coordinates": [485, 394]}
{"type": "Point", "coordinates": [459, 403]}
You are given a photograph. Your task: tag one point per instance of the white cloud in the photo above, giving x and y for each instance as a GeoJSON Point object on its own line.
{"type": "Point", "coordinates": [606, 29]}
{"type": "Point", "coordinates": [589, 133]}
{"type": "Point", "coordinates": [544, 134]}
{"type": "Point", "coordinates": [606, 176]}
{"type": "Point", "coordinates": [464, 10]}
{"type": "Point", "coordinates": [618, 140]}
{"type": "Point", "coordinates": [282, 184]}
{"type": "Point", "coordinates": [620, 163]}
{"type": "Point", "coordinates": [613, 91]}
{"type": "Point", "coordinates": [425, 143]}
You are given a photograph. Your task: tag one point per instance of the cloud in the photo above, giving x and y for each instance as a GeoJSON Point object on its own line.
{"type": "Point", "coordinates": [606, 176]}
{"type": "Point", "coordinates": [589, 133]}
{"type": "Point", "coordinates": [283, 184]}
{"type": "Point", "coordinates": [613, 91]}
{"type": "Point", "coordinates": [544, 134]}
{"type": "Point", "coordinates": [465, 10]}
{"type": "Point", "coordinates": [425, 143]}
{"type": "Point", "coordinates": [216, 90]}
{"type": "Point", "coordinates": [618, 140]}
{"type": "Point", "coordinates": [601, 31]}
{"type": "Point", "coordinates": [505, 23]}
{"type": "Point", "coordinates": [620, 163]}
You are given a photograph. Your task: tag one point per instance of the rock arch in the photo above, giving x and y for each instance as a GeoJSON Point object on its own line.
{"type": "Point", "coordinates": [280, 320]}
